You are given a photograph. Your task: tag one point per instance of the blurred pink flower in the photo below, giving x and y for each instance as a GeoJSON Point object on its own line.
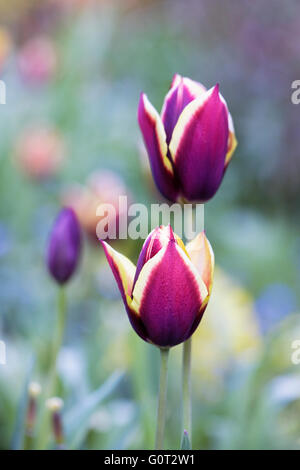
{"type": "Point", "coordinates": [40, 153]}
{"type": "Point", "coordinates": [102, 187]}
{"type": "Point", "coordinates": [37, 60]}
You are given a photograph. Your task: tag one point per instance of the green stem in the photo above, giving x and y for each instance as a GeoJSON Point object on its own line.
{"type": "Point", "coordinates": [186, 387]}
{"type": "Point", "coordinates": [50, 388]}
{"type": "Point", "coordinates": [60, 328]}
{"type": "Point", "coordinates": [162, 398]}
{"type": "Point", "coordinates": [28, 441]}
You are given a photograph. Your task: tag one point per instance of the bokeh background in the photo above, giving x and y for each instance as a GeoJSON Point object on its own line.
{"type": "Point", "coordinates": [73, 71]}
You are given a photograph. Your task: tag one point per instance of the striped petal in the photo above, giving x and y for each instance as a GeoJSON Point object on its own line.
{"type": "Point", "coordinates": [168, 295]}
{"type": "Point", "coordinates": [199, 145]}
{"type": "Point", "coordinates": [155, 141]}
{"type": "Point", "coordinates": [202, 257]}
{"type": "Point", "coordinates": [156, 240]}
{"type": "Point", "coordinates": [124, 270]}
{"type": "Point", "coordinates": [183, 90]}
{"type": "Point", "coordinates": [232, 142]}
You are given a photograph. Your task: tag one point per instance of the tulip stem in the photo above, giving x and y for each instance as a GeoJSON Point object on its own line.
{"type": "Point", "coordinates": [186, 387]}
{"type": "Point", "coordinates": [52, 374]}
{"type": "Point", "coordinates": [162, 398]}
{"type": "Point", "coordinates": [60, 327]}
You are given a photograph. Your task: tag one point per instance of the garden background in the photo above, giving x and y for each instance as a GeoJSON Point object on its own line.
{"type": "Point", "coordinates": [74, 71]}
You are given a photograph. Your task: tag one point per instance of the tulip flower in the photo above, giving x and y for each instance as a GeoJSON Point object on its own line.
{"type": "Point", "coordinates": [64, 246]}
{"type": "Point", "coordinates": [166, 294]}
{"type": "Point", "coordinates": [191, 143]}
{"type": "Point", "coordinates": [62, 257]}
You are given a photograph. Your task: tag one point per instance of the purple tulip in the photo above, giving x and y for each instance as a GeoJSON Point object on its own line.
{"type": "Point", "coordinates": [166, 294]}
{"type": "Point", "coordinates": [191, 143]}
{"type": "Point", "coordinates": [64, 246]}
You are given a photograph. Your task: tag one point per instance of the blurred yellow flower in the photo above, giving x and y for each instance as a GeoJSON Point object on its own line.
{"type": "Point", "coordinates": [5, 45]}
{"type": "Point", "coordinates": [229, 332]}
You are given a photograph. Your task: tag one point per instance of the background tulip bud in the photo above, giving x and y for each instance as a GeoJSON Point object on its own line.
{"type": "Point", "coordinates": [64, 246]}
{"type": "Point", "coordinates": [55, 405]}
{"type": "Point", "coordinates": [191, 143]}
{"type": "Point", "coordinates": [166, 294]}
{"type": "Point", "coordinates": [34, 390]}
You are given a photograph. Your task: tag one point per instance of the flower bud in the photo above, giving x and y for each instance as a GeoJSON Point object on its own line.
{"type": "Point", "coordinates": [34, 390]}
{"type": "Point", "coordinates": [191, 143]}
{"type": "Point", "coordinates": [166, 294]}
{"type": "Point", "coordinates": [55, 405]}
{"type": "Point", "coordinates": [64, 246]}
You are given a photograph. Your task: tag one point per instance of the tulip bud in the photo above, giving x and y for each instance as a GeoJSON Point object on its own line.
{"type": "Point", "coordinates": [64, 246]}
{"type": "Point", "coordinates": [55, 405]}
{"type": "Point", "coordinates": [191, 143]}
{"type": "Point", "coordinates": [165, 296]}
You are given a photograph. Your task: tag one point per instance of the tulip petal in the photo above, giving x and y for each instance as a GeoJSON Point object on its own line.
{"type": "Point", "coordinates": [183, 90]}
{"type": "Point", "coordinates": [155, 141]}
{"type": "Point", "coordinates": [199, 144]}
{"type": "Point", "coordinates": [175, 80]}
{"type": "Point", "coordinates": [122, 268]}
{"type": "Point", "coordinates": [168, 295]}
{"type": "Point", "coordinates": [232, 142]}
{"type": "Point", "coordinates": [156, 240]}
{"type": "Point", "coordinates": [202, 257]}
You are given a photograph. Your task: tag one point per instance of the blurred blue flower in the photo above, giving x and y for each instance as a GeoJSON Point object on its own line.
{"type": "Point", "coordinates": [4, 240]}
{"type": "Point", "coordinates": [273, 304]}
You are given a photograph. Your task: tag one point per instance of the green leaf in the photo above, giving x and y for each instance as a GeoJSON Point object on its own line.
{"type": "Point", "coordinates": [76, 421]}
{"type": "Point", "coordinates": [185, 441]}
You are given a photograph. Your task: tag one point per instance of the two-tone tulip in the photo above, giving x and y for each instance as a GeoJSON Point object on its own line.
{"type": "Point", "coordinates": [190, 143]}
{"type": "Point", "coordinates": [166, 294]}
{"type": "Point", "coordinates": [64, 246]}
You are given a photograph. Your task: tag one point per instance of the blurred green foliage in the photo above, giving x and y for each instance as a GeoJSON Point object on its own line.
{"type": "Point", "coordinates": [246, 389]}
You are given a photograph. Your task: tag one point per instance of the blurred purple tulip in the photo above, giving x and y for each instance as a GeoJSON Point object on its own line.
{"type": "Point", "coordinates": [191, 143]}
{"type": "Point", "coordinates": [166, 294]}
{"type": "Point", "coordinates": [64, 246]}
